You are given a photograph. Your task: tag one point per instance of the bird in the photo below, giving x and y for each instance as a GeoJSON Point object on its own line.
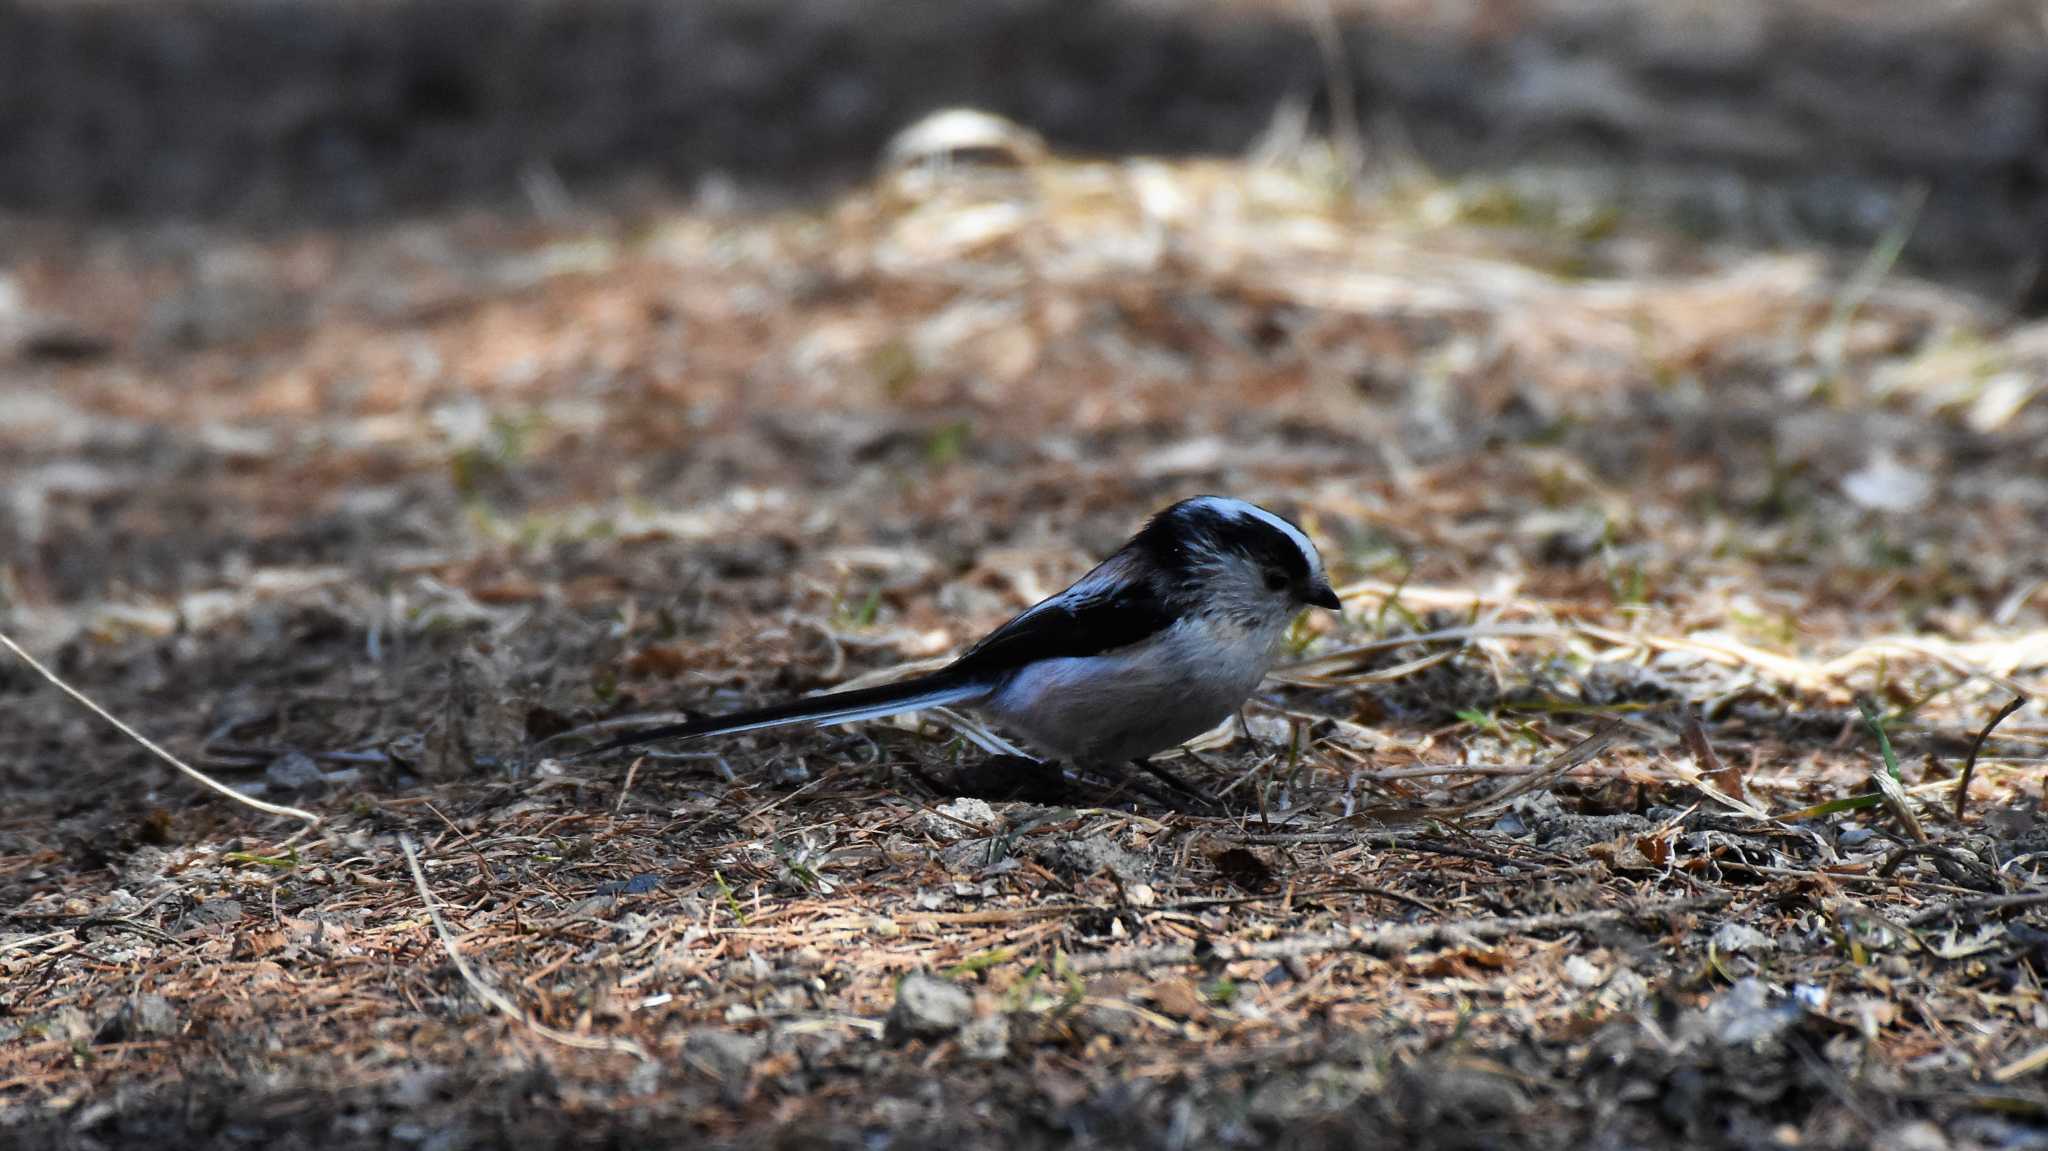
{"type": "Point", "coordinates": [1155, 645]}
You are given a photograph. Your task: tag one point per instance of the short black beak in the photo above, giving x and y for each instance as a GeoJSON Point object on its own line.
{"type": "Point", "coordinates": [1322, 595]}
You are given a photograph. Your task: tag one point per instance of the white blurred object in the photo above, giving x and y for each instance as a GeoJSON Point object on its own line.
{"type": "Point", "coordinates": [2002, 398]}
{"type": "Point", "coordinates": [1886, 485]}
{"type": "Point", "coordinates": [963, 137]}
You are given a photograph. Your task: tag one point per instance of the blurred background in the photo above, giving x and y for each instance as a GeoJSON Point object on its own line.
{"type": "Point", "coordinates": [249, 217]}
{"type": "Point", "coordinates": [1805, 120]}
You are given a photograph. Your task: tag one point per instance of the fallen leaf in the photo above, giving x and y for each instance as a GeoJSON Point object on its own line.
{"type": "Point", "coordinates": [1178, 998]}
{"type": "Point", "coordinates": [661, 660]}
{"type": "Point", "coordinates": [1726, 779]}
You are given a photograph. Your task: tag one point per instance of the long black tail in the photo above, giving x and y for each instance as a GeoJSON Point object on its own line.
{"type": "Point", "coordinates": [934, 690]}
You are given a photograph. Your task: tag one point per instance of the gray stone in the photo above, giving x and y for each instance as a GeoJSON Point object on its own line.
{"type": "Point", "coordinates": [986, 1039]}
{"type": "Point", "coordinates": [728, 1055]}
{"type": "Point", "coordinates": [211, 914]}
{"type": "Point", "coordinates": [1741, 939]}
{"type": "Point", "coordinates": [146, 1016]}
{"type": "Point", "coordinates": [154, 1015]}
{"type": "Point", "coordinates": [294, 771]}
{"type": "Point", "coordinates": [1746, 1016]}
{"type": "Point", "coordinates": [1096, 853]}
{"type": "Point", "coordinates": [928, 1007]}
{"type": "Point", "coordinates": [966, 814]}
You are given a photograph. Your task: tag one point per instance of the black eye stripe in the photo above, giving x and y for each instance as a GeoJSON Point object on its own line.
{"type": "Point", "coordinates": [1176, 538]}
{"type": "Point", "coordinates": [1267, 546]}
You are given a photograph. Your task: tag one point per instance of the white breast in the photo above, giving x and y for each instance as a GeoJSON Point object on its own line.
{"type": "Point", "coordinates": [1135, 701]}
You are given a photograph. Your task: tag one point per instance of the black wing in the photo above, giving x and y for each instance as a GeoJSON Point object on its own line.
{"type": "Point", "coordinates": [1099, 613]}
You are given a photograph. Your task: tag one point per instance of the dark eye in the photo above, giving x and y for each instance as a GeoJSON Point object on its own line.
{"type": "Point", "coordinates": [1276, 580]}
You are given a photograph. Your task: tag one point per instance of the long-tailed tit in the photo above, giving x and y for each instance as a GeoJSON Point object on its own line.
{"type": "Point", "coordinates": [1159, 643]}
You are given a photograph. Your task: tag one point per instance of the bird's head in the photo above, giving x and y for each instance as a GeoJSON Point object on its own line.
{"type": "Point", "coordinates": [1223, 555]}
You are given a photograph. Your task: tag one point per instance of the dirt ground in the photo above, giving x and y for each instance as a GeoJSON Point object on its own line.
{"type": "Point", "coordinates": [350, 519]}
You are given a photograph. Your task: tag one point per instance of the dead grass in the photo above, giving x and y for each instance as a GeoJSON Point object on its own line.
{"type": "Point", "coordinates": [1476, 884]}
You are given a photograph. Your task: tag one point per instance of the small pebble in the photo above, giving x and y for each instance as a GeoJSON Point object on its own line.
{"type": "Point", "coordinates": [928, 1007]}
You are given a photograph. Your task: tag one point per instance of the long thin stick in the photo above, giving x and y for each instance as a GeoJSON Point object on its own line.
{"type": "Point", "coordinates": [1977, 745]}
{"type": "Point", "coordinates": [2026, 1064]}
{"type": "Point", "coordinates": [626, 788]}
{"type": "Point", "coordinates": [1586, 749]}
{"type": "Point", "coordinates": [491, 995]}
{"type": "Point", "coordinates": [1342, 91]}
{"type": "Point", "coordinates": [204, 780]}
{"type": "Point", "coordinates": [1386, 940]}
{"type": "Point", "coordinates": [1980, 903]}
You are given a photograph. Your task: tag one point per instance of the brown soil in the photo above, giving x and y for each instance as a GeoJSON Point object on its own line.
{"type": "Point", "coordinates": [352, 518]}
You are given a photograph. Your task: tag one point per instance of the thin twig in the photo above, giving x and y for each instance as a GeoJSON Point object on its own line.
{"type": "Point", "coordinates": [2026, 1064]}
{"type": "Point", "coordinates": [1331, 663]}
{"type": "Point", "coordinates": [491, 995]}
{"type": "Point", "coordinates": [1419, 838]}
{"type": "Point", "coordinates": [1581, 752]}
{"type": "Point", "coordinates": [311, 820]}
{"type": "Point", "coordinates": [1980, 903]}
{"type": "Point", "coordinates": [626, 788]}
{"type": "Point", "coordinates": [1953, 867]}
{"type": "Point", "coordinates": [1387, 940]}
{"type": "Point", "coordinates": [1342, 92]}
{"type": "Point", "coordinates": [1977, 745]}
